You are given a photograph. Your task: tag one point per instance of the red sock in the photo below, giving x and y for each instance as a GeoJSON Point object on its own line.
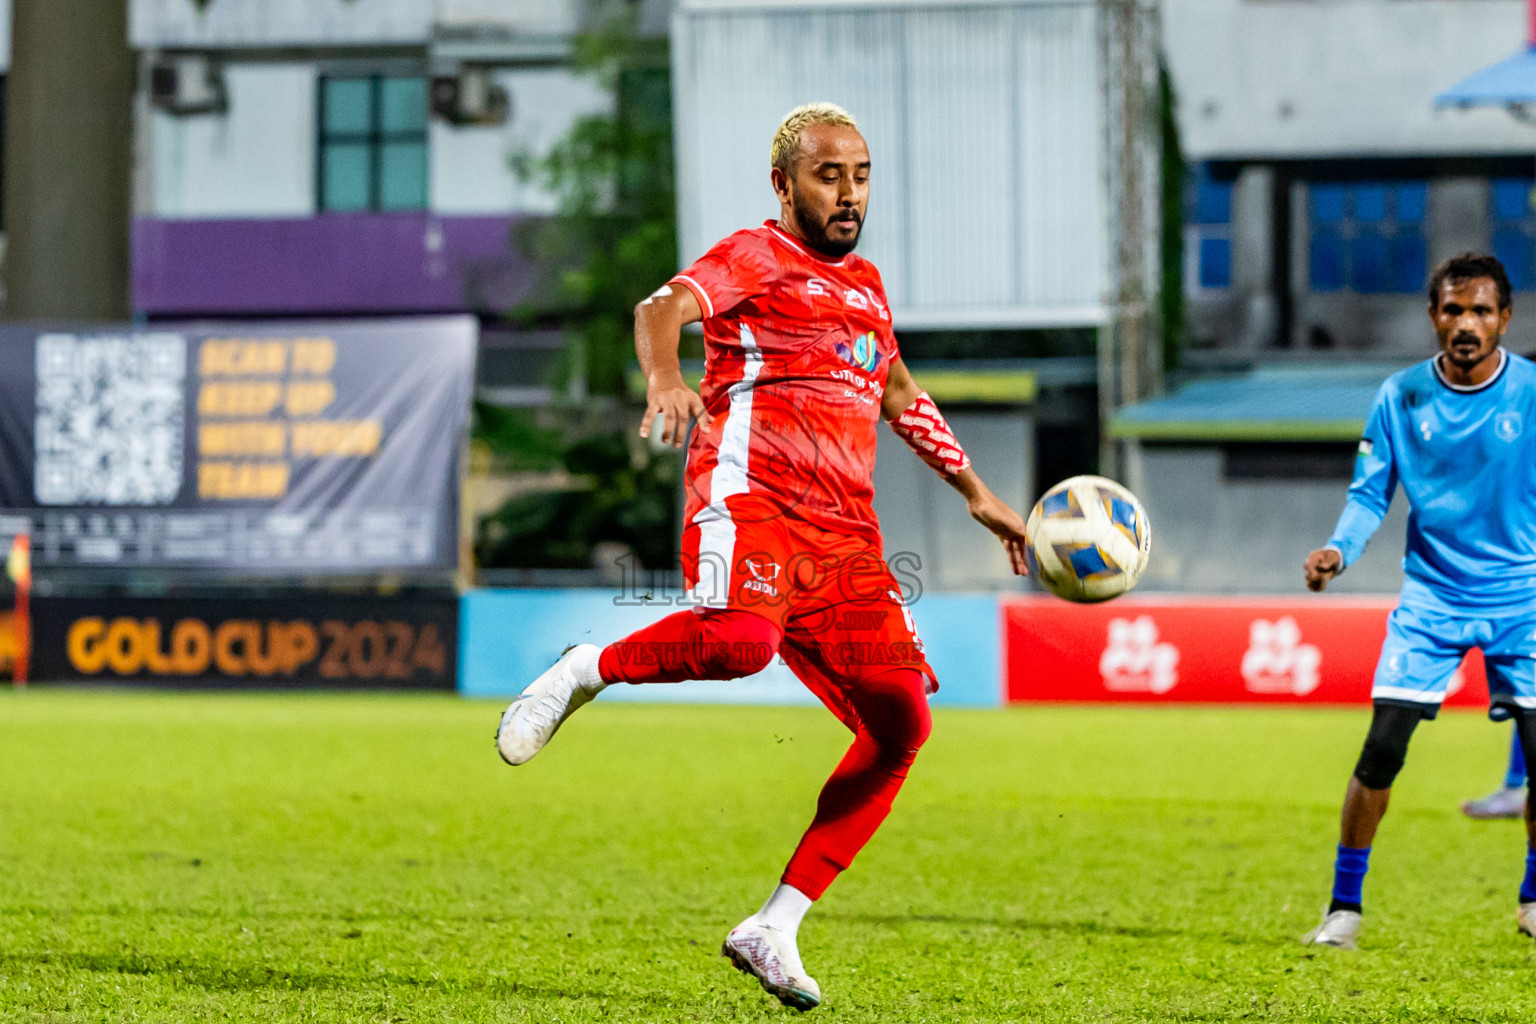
{"type": "Point", "coordinates": [716, 643]}
{"type": "Point", "coordinates": [893, 723]}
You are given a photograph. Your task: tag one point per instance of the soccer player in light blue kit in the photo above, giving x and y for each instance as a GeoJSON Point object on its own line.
{"type": "Point", "coordinates": [1458, 432]}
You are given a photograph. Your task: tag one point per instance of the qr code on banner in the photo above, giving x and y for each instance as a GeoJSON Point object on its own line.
{"type": "Point", "coordinates": [110, 419]}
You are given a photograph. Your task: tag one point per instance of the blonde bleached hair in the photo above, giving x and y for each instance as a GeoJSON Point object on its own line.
{"type": "Point", "coordinates": [786, 141]}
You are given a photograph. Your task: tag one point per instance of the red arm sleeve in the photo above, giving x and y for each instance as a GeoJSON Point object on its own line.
{"type": "Point", "coordinates": [738, 268]}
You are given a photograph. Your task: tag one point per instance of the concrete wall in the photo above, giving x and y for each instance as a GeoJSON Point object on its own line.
{"type": "Point", "coordinates": [1397, 325]}
{"type": "Point", "coordinates": [1244, 317]}
{"type": "Point", "coordinates": [471, 166]}
{"type": "Point", "coordinates": [258, 158]}
{"type": "Point", "coordinates": [534, 17]}
{"type": "Point", "coordinates": [154, 24]}
{"type": "Point", "coordinates": [1216, 536]}
{"type": "Point", "coordinates": [1289, 79]}
{"type": "Point", "coordinates": [1298, 89]}
{"type": "Point", "coordinates": [987, 202]}
{"type": "Point", "coordinates": [923, 516]}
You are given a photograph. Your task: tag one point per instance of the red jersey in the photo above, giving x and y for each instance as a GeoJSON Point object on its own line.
{"type": "Point", "coordinates": [797, 349]}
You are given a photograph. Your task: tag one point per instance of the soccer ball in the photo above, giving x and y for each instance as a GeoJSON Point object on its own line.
{"type": "Point", "coordinates": [1088, 539]}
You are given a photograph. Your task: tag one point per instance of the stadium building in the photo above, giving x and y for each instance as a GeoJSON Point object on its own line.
{"type": "Point", "coordinates": [1323, 186]}
{"type": "Point", "coordinates": [332, 159]}
{"type": "Point", "coordinates": [358, 160]}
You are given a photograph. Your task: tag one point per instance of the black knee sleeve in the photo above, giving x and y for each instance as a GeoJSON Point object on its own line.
{"type": "Point", "coordinates": [1525, 728]}
{"type": "Point", "coordinates": [1386, 745]}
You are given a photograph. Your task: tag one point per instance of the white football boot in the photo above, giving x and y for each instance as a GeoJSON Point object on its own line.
{"type": "Point", "coordinates": [769, 955]}
{"type": "Point", "coordinates": [1525, 917]}
{"type": "Point", "coordinates": [1338, 930]}
{"type": "Point", "coordinates": [1501, 803]}
{"type": "Point", "coordinates": [531, 719]}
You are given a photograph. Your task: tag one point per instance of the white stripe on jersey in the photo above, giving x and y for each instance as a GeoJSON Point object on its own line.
{"type": "Point", "coordinates": [717, 531]}
{"type": "Point", "coordinates": [709, 303]}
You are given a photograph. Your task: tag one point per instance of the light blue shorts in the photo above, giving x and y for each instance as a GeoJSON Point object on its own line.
{"type": "Point", "coordinates": [1424, 647]}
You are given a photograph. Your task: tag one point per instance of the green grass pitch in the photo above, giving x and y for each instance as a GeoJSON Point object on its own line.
{"type": "Point", "coordinates": [324, 858]}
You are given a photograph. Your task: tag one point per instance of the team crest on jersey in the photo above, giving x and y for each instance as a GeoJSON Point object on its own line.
{"type": "Point", "coordinates": [1507, 426]}
{"type": "Point", "coordinates": [864, 353]}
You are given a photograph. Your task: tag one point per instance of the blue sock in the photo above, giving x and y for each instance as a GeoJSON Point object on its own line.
{"type": "Point", "coordinates": [1528, 887]}
{"type": "Point", "coordinates": [1349, 876]}
{"type": "Point", "coordinates": [1515, 777]}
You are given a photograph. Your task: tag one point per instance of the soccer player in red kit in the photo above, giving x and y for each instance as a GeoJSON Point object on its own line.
{"type": "Point", "coordinates": [781, 550]}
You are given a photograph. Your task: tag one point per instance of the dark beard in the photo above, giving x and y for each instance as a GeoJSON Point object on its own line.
{"type": "Point", "coordinates": [815, 234]}
{"type": "Point", "coordinates": [1470, 361]}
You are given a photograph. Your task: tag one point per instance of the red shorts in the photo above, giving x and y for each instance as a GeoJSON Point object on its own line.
{"type": "Point", "coordinates": [839, 606]}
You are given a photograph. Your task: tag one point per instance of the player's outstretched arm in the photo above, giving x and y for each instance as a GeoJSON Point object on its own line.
{"type": "Point", "coordinates": [995, 514]}
{"type": "Point", "coordinates": [659, 324]}
{"type": "Point", "coordinates": [1370, 495]}
{"type": "Point", "coordinates": [914, 416]}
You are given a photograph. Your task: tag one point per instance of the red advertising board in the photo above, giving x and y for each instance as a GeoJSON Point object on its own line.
{"type": "Point", "coordinates": [1253, 650]}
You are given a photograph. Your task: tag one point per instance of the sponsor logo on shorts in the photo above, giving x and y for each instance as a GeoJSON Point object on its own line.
{"type": "Point", "coordinates": [764, 575]}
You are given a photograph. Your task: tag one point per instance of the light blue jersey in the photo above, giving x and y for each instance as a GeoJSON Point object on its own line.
{"type": "Point", "coordinates": [1466, 460]}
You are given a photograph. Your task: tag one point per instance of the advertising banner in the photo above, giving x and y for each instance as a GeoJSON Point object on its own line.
{"type": "Point", "coordinates": [510, 636]}
{"type": "Point", "coordinates": [1317, 650]}
{"type": "Point", "coordinates": [254, 447]}
{"type": "Point", "coordinates": [333, 642]}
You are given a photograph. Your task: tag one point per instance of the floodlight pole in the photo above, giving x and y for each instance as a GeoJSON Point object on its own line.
{"type": "Point", "coordinates": [68, 134]}
{"type": "Point", "coordinates": [1130, 363]}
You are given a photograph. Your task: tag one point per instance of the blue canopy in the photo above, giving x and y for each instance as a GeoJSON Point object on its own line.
{"type": "Point", "coordinates": [1299, 403]}
{"type": "Point", "coordinates": [1508, 83]}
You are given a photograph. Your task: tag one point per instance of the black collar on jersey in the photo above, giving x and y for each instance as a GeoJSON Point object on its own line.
{"type": "Point", "coordinates": [1465, 389]}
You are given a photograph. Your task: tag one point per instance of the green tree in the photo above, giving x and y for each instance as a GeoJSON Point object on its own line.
{"type": "Point", "coordinates": [610, 244]}
{"type": "Point", "coordinates": [614, 238]}
{"type": "Point", "coordinates": [621, 502]}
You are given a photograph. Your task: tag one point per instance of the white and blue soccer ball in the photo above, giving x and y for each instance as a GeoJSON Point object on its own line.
{"type": "Point", "coordinates": [1089, 539]}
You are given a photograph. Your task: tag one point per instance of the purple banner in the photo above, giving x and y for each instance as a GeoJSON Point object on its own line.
{"type": "Point", "coordinates": [335, 264]}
